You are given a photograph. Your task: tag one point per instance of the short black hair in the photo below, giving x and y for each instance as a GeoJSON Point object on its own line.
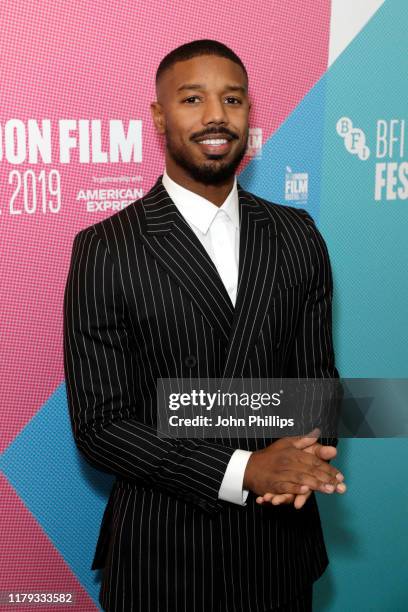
{"type": "Point", "coordinates": [195, 48]}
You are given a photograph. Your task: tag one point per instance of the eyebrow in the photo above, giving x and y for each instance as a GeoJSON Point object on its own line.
{"type": "Point", "coordinates": [201, 86]}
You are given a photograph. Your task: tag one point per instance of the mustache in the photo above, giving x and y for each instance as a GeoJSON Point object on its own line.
{"type": "Point", "coordinates": [215, 130]}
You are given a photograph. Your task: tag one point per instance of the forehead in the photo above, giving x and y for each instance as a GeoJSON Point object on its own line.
{"type": "Point", "coordinates": [206, 70]}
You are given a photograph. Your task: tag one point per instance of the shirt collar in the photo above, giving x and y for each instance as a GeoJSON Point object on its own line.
{"type": "Point", "coordinates": [197, 210]}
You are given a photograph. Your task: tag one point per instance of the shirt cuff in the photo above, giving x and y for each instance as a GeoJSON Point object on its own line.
{"type": "Point", "coordinates": [231, 487]}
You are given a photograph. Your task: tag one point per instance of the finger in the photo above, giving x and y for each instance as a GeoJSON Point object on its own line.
{"type": "Point", "coordinates": [289, 487]}
{"type": "Point", "coordinates": [277, 499]}
{"type": "Point", "coordinates": [299, 441]}
{"type": "Point", "coordinates": [266, 498]}
{"type": "Point", "coordinates": [311, 463]}
{"type": "Point", "coordinates": [322, 451]}
{"type": "Point", "coordinates": [300, 500]}
{"type": "Point", "coordinates": [302, 442]}
{"type": "Point", "coordinates": [326, 478]}
{"type": "Point", "coordinates": [319, 481]}
{"type": "Point", "coordinates": [286, 498]}
{"type": "Point", "coordinates": [341, 488]}
{"type": "Point", "coordinates": [326, 453]}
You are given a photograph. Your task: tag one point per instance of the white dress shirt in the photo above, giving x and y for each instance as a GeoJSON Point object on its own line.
{"type": "Point", "coordinates": [217, 228]}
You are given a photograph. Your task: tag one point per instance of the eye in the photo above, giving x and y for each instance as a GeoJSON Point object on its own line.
{"type": "Point", "coordinates": [234, 99]}
{"type": "Point", "coordinates": [189, 99]}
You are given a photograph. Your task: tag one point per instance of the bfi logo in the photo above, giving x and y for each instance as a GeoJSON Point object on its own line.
{"type": "Point", "coordinates": [254, 147]}
{"type": "Point", "coordinates": [353, 137]}
{"type": "Point", "coordinates": [296, 185]}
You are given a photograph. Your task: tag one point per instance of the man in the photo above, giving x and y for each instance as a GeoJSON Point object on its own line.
{"type": "Point", "coordinates": [200, 278]}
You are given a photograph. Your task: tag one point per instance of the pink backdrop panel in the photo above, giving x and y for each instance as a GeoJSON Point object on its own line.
{"type": "Point", "coordinates": [97, 60]}
{"type": "Point", "coordinates": [29, 559]}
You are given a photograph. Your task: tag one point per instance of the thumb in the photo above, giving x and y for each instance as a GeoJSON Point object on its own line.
{"type": "Point", "coordinates": [325, 452]}
{"type": "Point", "coordinates": [307, 440]}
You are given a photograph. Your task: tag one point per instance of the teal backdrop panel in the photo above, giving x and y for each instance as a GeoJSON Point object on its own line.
{"type": "Point", "coordinates": [358, 196]}
{"type": "Point", "coordinates": [367, 529]}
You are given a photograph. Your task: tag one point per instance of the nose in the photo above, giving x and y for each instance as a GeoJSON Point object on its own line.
{"type": "Point", "coordinates": [214, 111]}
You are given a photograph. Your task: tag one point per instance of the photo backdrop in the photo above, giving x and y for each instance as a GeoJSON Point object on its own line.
{"type": "Point", "coordinates": [328, 133]}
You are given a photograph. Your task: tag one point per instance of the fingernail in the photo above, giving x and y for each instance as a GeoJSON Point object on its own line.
{"type": "Point", "coordinates": [339, 476]}
{"type": "Point", "coordinates": [341, 488]}
{"type": "Point", "coordinates": [329, 488]}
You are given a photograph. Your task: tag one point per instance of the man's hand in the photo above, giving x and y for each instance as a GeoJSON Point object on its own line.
{"type": "Point", "coordinates": [323, 452]}
{"type": "Point", "coordinates": [284, 467]}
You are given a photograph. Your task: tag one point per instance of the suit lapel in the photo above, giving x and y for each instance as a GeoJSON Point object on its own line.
{"type": "Point", "coordinates": [258, 263]}
{"type": "Point", "coordinates": [169, 238]}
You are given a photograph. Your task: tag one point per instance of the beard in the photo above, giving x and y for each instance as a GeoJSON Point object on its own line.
{"type": "Point", "coordinates": [214, 170]}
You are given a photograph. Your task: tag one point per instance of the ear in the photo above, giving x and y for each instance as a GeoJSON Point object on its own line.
{"type": "Point", "coordinates": [159, 120]}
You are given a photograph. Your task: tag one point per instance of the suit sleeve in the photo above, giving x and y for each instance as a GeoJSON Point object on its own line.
{"type": "Point", "coordinates": [102, 407]}
{"type": "Point", "coordinates": [313, 353]}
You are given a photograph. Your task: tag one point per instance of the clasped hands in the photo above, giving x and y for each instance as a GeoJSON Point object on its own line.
{"type": "Point", "coordinates": [291, 468]}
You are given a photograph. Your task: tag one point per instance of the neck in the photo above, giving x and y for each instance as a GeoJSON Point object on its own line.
{"type": "Point", "coordinates": [216, 194]}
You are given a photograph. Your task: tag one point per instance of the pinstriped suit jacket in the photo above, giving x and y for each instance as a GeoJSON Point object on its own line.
{"type": "Point", "coordinates": [143, 301]}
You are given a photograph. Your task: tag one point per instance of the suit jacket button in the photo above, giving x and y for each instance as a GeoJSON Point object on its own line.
{"type": "Point", "coordinates": [190, 361]}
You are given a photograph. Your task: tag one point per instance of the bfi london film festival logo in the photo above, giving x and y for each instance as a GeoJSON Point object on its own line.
{"type": "Point", "coordinates": [296, 186]}
{"type": "Point", "coordinates": [254, 146]}
{"type": "Point", "coordinates": [391, 176]}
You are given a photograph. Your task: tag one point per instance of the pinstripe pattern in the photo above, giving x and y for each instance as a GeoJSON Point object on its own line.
{"type": "Point", "coordinates": [301, 603]}
{"type": "Point", "coordinates": [142, 296]}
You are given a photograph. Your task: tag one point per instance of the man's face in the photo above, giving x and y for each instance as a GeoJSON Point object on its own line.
{"type": "Point", "coordinates": [203, 110]}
